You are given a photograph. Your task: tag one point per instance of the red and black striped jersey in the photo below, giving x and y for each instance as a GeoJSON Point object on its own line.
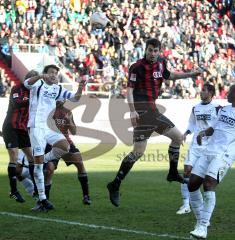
{"type": "Point", "coordinates": [62, 118]}
{"type": "Point", "coordinates": [18, 108]}
{"type": "Point", "coordinates": [146, 79]}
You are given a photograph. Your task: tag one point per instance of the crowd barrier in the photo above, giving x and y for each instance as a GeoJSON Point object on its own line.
{"type": "Point", "coordinates": [107, 120]}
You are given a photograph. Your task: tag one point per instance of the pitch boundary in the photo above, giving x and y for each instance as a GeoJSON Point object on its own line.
{"type": "Point", "coordinates": [94, 226]}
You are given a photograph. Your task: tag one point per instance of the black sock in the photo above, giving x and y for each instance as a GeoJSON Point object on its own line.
{"type": "Point", "coordinates": [47, 190]}
{"type": "Point", "coordinates": [12, 176]}
{"type": "Point", "coordinates": [126, 165]}
{"type": "Point", "coordinates": [173, 158]}
{"type": "Point", "coordinates": [83, 179]}
{"type": "Point", "coordinates": [31, 172]}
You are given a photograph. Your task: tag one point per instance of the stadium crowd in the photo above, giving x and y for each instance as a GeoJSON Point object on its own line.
{"type": "Point", "coordinates": [192, 33]}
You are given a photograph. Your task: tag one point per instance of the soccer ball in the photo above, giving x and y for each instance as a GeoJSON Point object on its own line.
{"type": "Point", "coordinates": [98, 20]}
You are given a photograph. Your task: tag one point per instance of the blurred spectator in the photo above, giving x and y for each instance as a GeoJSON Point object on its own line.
{"type": "Point", "coordinates": [7, 50]}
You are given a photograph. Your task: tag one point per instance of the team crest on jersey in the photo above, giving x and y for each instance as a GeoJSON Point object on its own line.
{"type": "Point", "coordinates": [157, 75]}
{"type": "Point", "coordinates": [133, 77]}
{"type": "Point", "coordinates": [15, 95]}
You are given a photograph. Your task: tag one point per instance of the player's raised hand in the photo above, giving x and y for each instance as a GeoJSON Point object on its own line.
{"type": "Point", "coordinates": [134, 117]}
{"type": "Point", "coordinates": [83, 80]}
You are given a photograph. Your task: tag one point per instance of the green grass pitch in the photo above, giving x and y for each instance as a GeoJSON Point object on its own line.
{"type": "Point", "coordinates": [148, 203]}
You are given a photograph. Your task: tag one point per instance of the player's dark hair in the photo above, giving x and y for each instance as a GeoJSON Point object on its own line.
{"type": "Point", "coordinates": [46, 68]}
{"type": "Point", "coordinates": [210, 88]}
{"type": "Point", "coordinates": [154, 42]}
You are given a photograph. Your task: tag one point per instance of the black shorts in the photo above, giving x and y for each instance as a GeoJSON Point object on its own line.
{"type": "Point", "coordinates": [151, 120]}
{"type": "Point", "coordinates": [15, 138]}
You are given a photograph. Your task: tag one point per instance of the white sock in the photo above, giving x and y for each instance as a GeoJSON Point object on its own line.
{"type": "Point", "coordinates": [185, 194]}
{"type": "Point", "coordinates": [25, 173]}
{"type": "Point", "coordinates": [208, 207]}
{"type": "Point", "coordinates": [28, 186]}
{"type": "Point", "coordinates": [39, 180]}
{"type": "Point", "coordinates": [196, 201]}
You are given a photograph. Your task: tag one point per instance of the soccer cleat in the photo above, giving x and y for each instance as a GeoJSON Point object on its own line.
{"type": "Point", "coordinates": [199, 232]}
{"type": "Point", "coordinates": [183, 210]}
{"type": "Point", "coordinates": [47, 205]}
{"type": "Point", "coordinates": [16, 195]}
{"type": "Point", "coordinates": [86, 200]}
{"type": "Point", "coordinates": [38, 207]}
{"type": "Point", "coordinates": [113, 194]}
{"type": "Point", "coordinates": [176, 177]}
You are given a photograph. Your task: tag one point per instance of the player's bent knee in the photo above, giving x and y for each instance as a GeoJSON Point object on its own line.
{"type": "Point", "coordinates": [209, 183]}
{"type": "Point", "coordinates": [62, 144]}
{"type": "Point", "coordinates": [177, 140]}
{"type": "Point", "coordinates": [59, 152]}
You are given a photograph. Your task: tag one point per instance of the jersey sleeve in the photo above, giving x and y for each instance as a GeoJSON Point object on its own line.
{"type": "Point", "coordinates": [191, 122]}
{"type": "Point", "coordinates": [166, 73]}
{"type": "Point", "coordinates": [132, 76]}
{"type": "Point", "coordinates": [29, 86]}
{"type": "Point", "coordinates": [19, 99]}
{"type": "Point", "coordinates": [65, 94]}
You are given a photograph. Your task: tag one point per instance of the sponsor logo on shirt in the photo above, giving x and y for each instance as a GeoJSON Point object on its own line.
{"type": "Point", "coordinates": [203, 117]}
{"type": "Point", "coordinates": [230, 121]}
{"type": "Point", "coordinates": [15, 95]}
{"type": "Point", "coordinates": [49, 94]}
{"type": "Point", "coordinates": [157, 75]}
{"type": "Point", "coordinates": [60, 121]}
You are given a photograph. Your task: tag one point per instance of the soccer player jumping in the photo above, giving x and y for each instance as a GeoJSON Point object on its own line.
{"type": "Point", "coordinates": [144, 86]}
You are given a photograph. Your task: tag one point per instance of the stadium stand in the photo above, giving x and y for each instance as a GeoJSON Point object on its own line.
{"type": "Point", "coordinates": [192, 33]}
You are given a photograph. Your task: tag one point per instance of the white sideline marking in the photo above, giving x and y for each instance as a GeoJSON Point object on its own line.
{"type": "Point", "coordinates": [92, 225]}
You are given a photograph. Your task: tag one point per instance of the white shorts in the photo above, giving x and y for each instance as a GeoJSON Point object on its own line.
{"type": "Point", "coordinates": [193, 155]}
{"type": "Point", "coordinates": [39, 137]}
{"type": "Point", "coordinates": [215, 166]}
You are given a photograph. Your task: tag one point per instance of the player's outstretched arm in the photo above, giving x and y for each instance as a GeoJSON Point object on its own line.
{"type": "Point", "coordinates": [181, 75]}
{"type": "Point", "coordinates": [72, 125]}
{"type": "Point", "coordinates": [34, 79]}
{"type": "Point", "coordinates": [82, 84]}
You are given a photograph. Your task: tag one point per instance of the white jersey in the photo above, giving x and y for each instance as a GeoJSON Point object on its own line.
{"type": "Point", "coordinates": [43, 99]}
{"type": "Point", "coordinates": [224, 132]}
{"type": "Point", "coordinates": [202, 117]}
